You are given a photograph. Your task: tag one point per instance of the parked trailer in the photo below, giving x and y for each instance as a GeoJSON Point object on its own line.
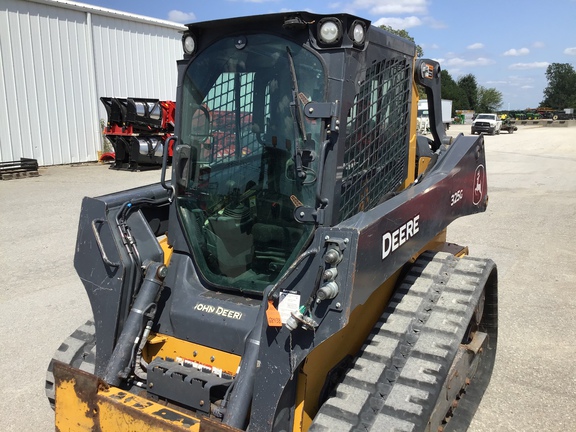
{"type": "Point", "coordinates": [424, 121]}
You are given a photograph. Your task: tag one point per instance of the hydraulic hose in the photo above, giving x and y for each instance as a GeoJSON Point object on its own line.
{"type": "Point", "coordinates": [130, 336]}
{"type": "Point", "coordinates": [241, 398]}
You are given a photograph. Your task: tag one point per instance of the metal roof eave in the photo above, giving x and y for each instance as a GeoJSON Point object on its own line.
{"type": "Point", "coordinates": [82, 7]}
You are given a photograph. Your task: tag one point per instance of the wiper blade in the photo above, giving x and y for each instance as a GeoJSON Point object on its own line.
{"type": "Point", "coordinates": [297, 113]}
{"type": "Point", "coordinates": [297, 117]}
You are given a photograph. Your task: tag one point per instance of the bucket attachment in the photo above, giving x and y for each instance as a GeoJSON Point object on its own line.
{"type": "Point", "coordinates": [144, 114]}
{"type": "Point", "coordinates": [137, 129]}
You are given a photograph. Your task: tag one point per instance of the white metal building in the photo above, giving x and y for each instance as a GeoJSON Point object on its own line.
{"type": "Point", "coordinates": [57, 58]}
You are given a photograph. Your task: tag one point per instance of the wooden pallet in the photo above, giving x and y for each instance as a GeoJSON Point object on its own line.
{"type": "Point", "coordinates": [23, 168]}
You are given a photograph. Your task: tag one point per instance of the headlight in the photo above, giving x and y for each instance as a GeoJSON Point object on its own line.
{"type": "Point", "coordinates": [188, 43]}
{"type": "Point", "coordinates": [329, 30]}
{"type": "Point", "coordinates": [358, 32]}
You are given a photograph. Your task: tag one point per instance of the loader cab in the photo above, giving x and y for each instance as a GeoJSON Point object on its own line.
{"type": "Point", "coordinates": [301, 121]}
{"type": "Point", "coordinates": [247, 157]}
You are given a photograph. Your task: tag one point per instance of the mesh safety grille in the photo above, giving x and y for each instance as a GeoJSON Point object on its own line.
{"type": "Point", "coordinates": [230, 102]}
{"type": "Point", "coordinates": [376, 153]}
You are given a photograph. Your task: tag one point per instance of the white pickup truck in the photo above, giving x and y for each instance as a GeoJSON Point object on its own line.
{"type": "Point", "coordinates": [489, 123]}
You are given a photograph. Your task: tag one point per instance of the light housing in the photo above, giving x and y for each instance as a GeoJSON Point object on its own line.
{"type": "Point", "coordinates": [188, 43]}
{"type": "Point", "coordinates": [329, 31]}
{"type": "Point", "coordinates": [357, 33]}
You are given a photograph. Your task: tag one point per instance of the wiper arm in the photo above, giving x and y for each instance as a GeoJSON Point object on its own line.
{"type": "Point", "coordinates": [297, 116]}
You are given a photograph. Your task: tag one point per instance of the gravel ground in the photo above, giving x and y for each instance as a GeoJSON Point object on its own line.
{"type": "Point", "coordinates": [528, 231]}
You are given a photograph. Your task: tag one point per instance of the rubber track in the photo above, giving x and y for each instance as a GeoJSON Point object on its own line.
{"type": "Point", "coordinates": [78, 350]}
{"type": "Point", "coordinates": [398, 375]}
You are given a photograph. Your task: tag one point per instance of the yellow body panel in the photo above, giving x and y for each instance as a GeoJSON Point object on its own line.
{"type": "Point", "coordinates": [72, 412]}
{"type": "Point", "coordinates": [423, 163]}
{"type": "Point", "coordinates": [436, 244]}
{"type": "Point", "coordinates": [328, 354]}
{"type": "Point", "coordinates": [411, 174]}
{"type": "Point", "coordinates": [122, 411]}
{"type": "Point", "coordinates": [85, 403]}
{"type": "Point", "coordinates": [167, 346]}
{"type": "Point", "coordinates": [166, 248]}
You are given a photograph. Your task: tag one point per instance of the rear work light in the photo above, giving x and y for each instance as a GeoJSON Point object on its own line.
{"type": "Point", "coordinates": [188, 43]}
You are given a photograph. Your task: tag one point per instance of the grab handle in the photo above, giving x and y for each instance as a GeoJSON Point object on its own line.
{"type": "Point", "coordinates": [100, 245]}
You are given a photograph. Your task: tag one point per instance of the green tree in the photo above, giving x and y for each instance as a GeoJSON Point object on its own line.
{"type": "Point", "coordinates": [419, 51]}
{"type": "Point", "coordinates": [403, 33]}
{"type": "Point", "coordinates": [489, 99]}
{"type": "Point", "coordinates": [451, 91]}
{"type": "Point", "coordinates": [561, 90]}
{"type": "Point", "coordinates": [470, 87]}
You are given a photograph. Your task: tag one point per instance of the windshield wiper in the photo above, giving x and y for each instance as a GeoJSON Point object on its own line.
{"type": "Point", "coordinates": [297, 117]}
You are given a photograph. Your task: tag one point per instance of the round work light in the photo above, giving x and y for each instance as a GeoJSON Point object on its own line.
{"type": "Point", "coordinates": [358, 33]}
{"type": "Point", "coordinates": [329, 30]}
{"type": "Point", "coordinates": [188, 43]}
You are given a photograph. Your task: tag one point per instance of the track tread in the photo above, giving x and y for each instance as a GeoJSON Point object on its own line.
{"type": "Point", "coordinates": [395, 381]}
{"type": "Point", "coordinates": [78, 350]}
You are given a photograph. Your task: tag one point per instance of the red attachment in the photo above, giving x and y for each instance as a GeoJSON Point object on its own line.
{"type": "Point", "coordinates": [170, 146]}
{"type": "Point", "coordinates": [168, 114]}
{"type": "Point", "coordinates": [107, 157]}
{"type": "Point", "coordinates": [115, 129]}
{"type": "Point", "coordinates": [137, 129]}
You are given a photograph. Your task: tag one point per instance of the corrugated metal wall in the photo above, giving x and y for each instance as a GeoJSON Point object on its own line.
{"type": "Point", "coordinates": [55, 64]}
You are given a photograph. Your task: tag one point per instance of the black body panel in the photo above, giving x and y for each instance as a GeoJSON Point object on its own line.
{"type": "Point", "coordinates": [110, 286]}
{"type": "Point", "coordinates": [210, 318]}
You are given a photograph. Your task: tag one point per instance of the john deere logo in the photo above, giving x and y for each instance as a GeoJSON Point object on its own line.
{"type": "Point", "coordinates": [226, 313]}
{"type": "Point", "coordinates": [479, 182]}
{"type": "Point", "coordinates": [392, 240]}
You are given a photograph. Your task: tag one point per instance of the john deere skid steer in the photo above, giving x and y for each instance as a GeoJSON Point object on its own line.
{"type": "Point", "coordinates": [293, 274]}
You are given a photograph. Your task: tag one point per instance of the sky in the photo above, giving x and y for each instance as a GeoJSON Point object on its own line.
{"type": "Point", "coordinates": [506, 44]}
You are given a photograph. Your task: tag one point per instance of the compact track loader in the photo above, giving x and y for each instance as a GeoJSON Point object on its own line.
{"type": "Point", "coordinates": [294, 273]}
